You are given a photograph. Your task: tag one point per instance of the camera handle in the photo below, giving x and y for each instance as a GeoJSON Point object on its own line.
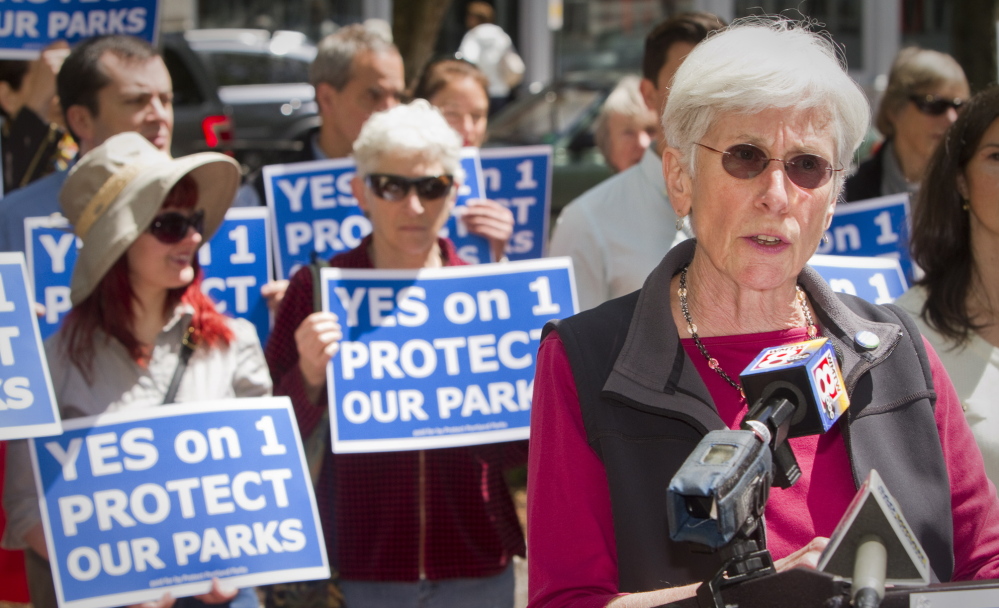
{"type": "Point", "coordinates": [771, 419]}
{"type": "Point", "coordinates": [746, 561]}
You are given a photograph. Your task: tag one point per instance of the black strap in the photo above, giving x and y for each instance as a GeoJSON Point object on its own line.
{"type": "Point", "coordinates": [186, 350]}
{"type": "Point", "coordinates": [316, 445]}
{"type": "Point", "coordinates": [316, 264]}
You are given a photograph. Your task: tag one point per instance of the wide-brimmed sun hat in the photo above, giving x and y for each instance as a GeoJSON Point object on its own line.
{"type": "Point", "coordinates": [114, 192]}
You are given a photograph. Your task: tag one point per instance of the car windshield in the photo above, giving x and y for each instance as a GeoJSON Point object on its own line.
{"type": "Point", "coordinates": [545, 117]}
{"type": "Point", "coordinates": [234, 68]}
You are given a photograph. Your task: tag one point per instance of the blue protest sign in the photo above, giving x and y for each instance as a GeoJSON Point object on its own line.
{"type": "Point", "coordinates": [27, 27]}
{"type": "Point", "coordinates": [877, 280]}
{"type": "Point", "coordinates": [877, 227]}
{"type": "Point", "coordinates": [471, 248]}
{"type": "Point", "coordinates": [2, 193]}
{"type": "Point", "coordinates": [314, 210]}
{"type": "Point", "coordinates": [145, 501]}
{"type": "Point", "coordinates": [51, 249]}
{"type": "Point", "coordinates": [27, 404]}
{"type": "Point", "coordinates": [521, 179]}
{"type": "Point", "coordinates": [237, 263]}
{"type": "Point", "coordinates": [439, 357]}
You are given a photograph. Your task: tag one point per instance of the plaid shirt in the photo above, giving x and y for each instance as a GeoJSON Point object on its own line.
{"type": "Point", "coordinates": [370, 503]}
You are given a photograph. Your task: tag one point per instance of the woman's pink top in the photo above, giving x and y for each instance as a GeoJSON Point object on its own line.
{"type": "Point", "coordinates": [572, 557]}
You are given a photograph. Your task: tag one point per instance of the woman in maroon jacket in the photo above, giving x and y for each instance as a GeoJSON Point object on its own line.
{"type": "Point", "coordinates": [437, 523]}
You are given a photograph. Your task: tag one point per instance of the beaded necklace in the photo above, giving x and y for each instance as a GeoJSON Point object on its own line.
{"type": "Point", "coordinates": [712, 362]}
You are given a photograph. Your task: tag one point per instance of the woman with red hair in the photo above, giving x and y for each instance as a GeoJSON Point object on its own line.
{"type": "Point", "coordinates": [141, 333]}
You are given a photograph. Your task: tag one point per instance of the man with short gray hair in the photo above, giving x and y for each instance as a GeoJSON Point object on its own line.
{"type": "Point", "coordinates": [356, 73]}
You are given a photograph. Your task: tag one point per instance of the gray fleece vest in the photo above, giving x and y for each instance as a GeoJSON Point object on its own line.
{"type": "Point", "coordinates": [645, 407]}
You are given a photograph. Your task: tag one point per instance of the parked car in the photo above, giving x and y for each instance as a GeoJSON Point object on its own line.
{"type": "Point", "coordinates": [201, 121]}
{"type": "Point", "coordinates": [561, 115]}
{"type": "Point", "coordinates": [264, 78]}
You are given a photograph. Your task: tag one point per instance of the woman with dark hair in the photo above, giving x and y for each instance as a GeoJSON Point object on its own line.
{"type": "Point", "coordinates": [461, 92]}
{"type": "Point", "coordinates": [141, 333]}
{"type": "Point", "coordinates": [925, 91]}
{"type": "Point", "coordinates": [955, 240]}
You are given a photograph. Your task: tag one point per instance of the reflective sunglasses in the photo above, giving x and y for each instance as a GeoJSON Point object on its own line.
{"type": "Point", "coordinates": [396, 187]}
{"type": "Point", "coordinates": [935, 106]}
{"type": "Point", "coordinates": [746, 161]}
{"type": "Point", "coordinates": [171, 227]}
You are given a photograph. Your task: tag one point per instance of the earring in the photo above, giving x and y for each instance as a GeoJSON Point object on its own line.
{"type": "Point", "coordinates": [825, 238]}
{"type": "Point", "coordinates": [679, 223]}
{"type": "Point", "coordinates": [966, 205]}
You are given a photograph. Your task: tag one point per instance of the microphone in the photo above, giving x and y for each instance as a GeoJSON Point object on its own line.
{"type": "Point", "coordinates": [805, 373]}
{"type": "Point", "coordinates": [721, 489]}
{"type": "Point", "coordinates": [873, 544]}
{"type": "Point", "coordinates": [869, 571]}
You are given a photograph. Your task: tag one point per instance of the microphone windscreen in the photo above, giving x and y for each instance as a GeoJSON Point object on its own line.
{"type": "Point", "coordinates": [874, 511]}
{"type": "Point", "coordinates": [805, 373]}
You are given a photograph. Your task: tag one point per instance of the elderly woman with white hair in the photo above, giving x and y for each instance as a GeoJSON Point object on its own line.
{"type": "Point", "coordinates": [433, 524]}
{"type": "Point", "coordinates": [761, 120]}
{"type": "Point", "coordinates": [625, 126]}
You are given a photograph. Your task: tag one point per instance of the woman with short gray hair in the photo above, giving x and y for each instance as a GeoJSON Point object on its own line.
{"type": "Point", "coordinates": [625, 126]}
{"type": "Point", "coordinates": [761, 121]}
{"type": "Point", "coordinates": [459, 552]}
{"type": "Point", "coordinates": [413, 129]}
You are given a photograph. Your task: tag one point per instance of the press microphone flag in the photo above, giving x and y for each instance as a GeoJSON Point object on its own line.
{"type": "Point", "coordinates": [807, 374]}
{"type": "Point", "coordinates": [874, 518]}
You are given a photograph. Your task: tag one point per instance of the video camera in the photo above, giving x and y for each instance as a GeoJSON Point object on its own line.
{"type": "Point", "coordinates": [718, 496]}
{"type": "Point", "coordinates": [794, 390]}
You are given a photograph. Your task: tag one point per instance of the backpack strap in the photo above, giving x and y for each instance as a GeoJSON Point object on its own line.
{"type": "Point", "coordinates": [187, 346]}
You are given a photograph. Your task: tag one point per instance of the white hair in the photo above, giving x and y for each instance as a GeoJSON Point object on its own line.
{"type": "Point", "coordinates": [757, 64]}
{"type": "Point", "coordinates": [626, 99]}
{"type": "Point", "coordinates": [415, 128]}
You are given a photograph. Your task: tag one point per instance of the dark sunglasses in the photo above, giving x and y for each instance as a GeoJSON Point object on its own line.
{"type": "Point", "coordinates": [396, 187]}
{"type": "Point", "coordinates": [171, 227]}
{"type": "Point", "coordinates": [935, 106]}
{"type": "Point", "coordinates": [746, 161]}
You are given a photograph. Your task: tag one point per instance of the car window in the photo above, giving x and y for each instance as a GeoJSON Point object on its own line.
{"type": "Point", "coordinates": [185, 88]}
{"type": "Point", "coordinates": [547, 116]}
{"type": "Point", "coordinates": [232, 68]}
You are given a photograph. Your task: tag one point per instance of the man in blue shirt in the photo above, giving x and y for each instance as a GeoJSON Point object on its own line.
{"type": "Point", "coordinates": [107, 85]}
